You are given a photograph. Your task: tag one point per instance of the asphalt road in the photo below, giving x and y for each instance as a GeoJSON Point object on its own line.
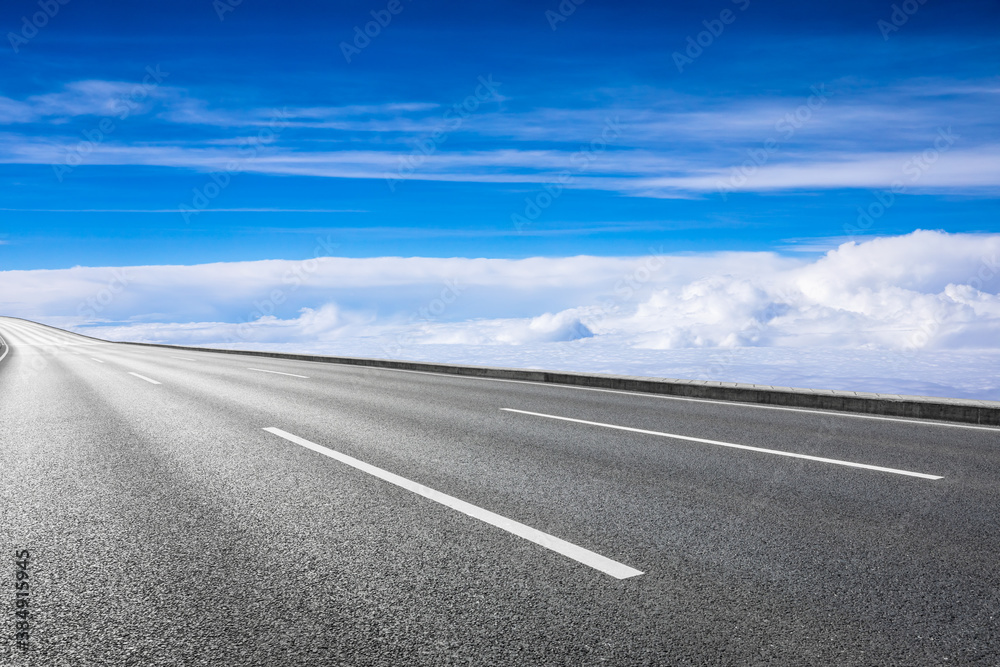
{"type": "Point", "coordinates": [387, 518]}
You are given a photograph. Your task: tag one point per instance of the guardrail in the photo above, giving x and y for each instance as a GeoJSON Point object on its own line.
{"type": "Point", "coordinates": [986, 413]}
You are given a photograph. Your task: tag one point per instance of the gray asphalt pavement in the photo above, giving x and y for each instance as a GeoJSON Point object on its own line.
{"type": "Point", "coordinates": [165, 526]}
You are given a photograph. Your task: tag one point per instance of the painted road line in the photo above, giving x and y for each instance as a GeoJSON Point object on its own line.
{"type": "Point", "coordinates": [97, 360]}
{"type": "Point", "coordinates": [143, 377]}
{"type": "Point", "coordinates": [27, 335]}
{"type": "Point", "coordinates": [305, 377]}
{"type": "Point", "coordinates": [185, 358]}
{"type": "Point", "coordinates": [6, 349]}
{"type": "Point", "coordinates": [579, 554]}
{"type": "Point", "coordinates": [821, 459]}
{"type": "Point", "coordinates": [643, 394]}
{"type": "Point", "coordinates": [732, 404]}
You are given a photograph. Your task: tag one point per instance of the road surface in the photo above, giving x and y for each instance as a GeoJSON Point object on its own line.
{"type": "Point", "coordinates": [196, 508]}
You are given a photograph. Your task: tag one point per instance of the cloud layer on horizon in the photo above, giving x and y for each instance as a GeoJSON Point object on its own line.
{"type": "Point", "coordinates": [925, 290]}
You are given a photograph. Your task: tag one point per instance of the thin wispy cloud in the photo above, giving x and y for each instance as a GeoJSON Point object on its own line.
{"type": "Point", "coordinates": [83, 98]}
{"type": "Point", "coordinates": [823, 140]}
{"type": "Point", "coordinates": [618, 171]}
{"type": "Point", "coordinates": [174, 210]}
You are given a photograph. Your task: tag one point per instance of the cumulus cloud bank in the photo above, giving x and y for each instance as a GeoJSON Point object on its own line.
{"type": "Point", "coordinates": [923, 292]}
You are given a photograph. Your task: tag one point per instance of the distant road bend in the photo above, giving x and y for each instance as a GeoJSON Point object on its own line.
{"type": "Point", "coordinates": [196, 508]}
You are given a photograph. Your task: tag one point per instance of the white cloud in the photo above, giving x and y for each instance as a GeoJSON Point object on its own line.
{"type": "Point", "coordinates": [85, 98]}
{"type": "Point", "coordinates": [898, 302]}
{"type": "Point", "coordinates": [954, 168]}
{"type": "Point", "coordinates": [664, 145]}
{"type": "Point", "coordinates": [636, 173]}
{"type": "Point", "coordinates": [926, 289]}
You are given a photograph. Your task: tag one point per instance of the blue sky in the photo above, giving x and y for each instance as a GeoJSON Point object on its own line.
{"type": "Point", "coordinates": [592, 137]}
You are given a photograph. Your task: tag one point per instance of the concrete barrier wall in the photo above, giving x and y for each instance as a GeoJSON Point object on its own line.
{"type": "Point", "coordinates": [986, 413]}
